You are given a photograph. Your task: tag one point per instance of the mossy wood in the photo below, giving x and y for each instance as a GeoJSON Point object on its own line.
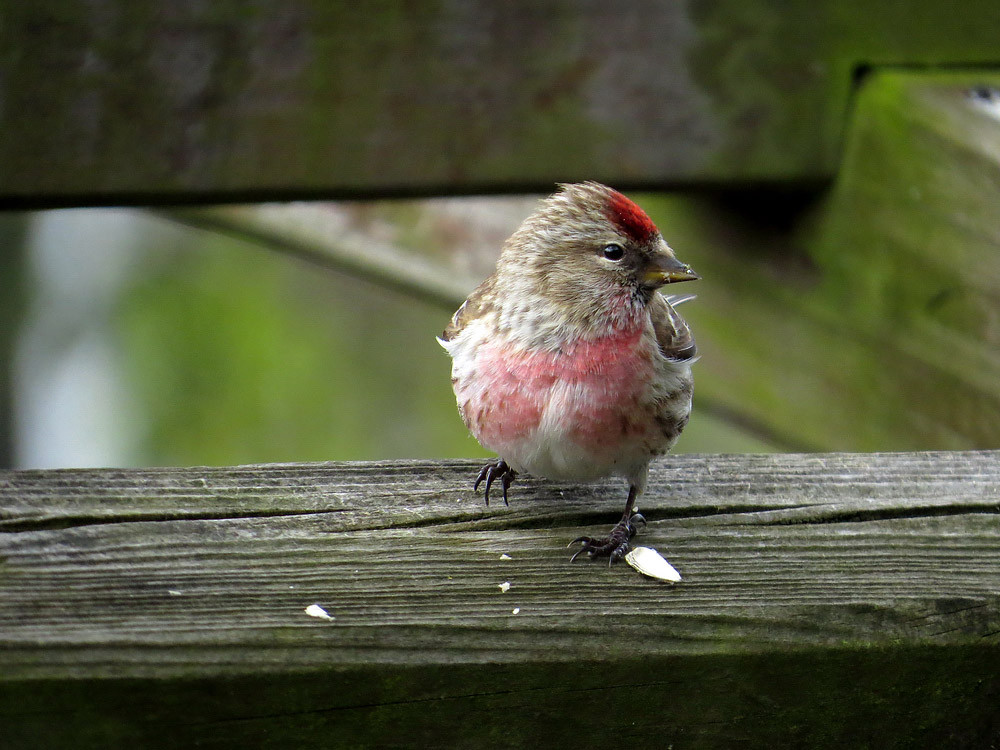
{"type": "Point", "coordinates": [829, 600]}
{"type": "Point", "coordinates": [866, 317]}
{"type": "Point", "coordinates": [153, 102]}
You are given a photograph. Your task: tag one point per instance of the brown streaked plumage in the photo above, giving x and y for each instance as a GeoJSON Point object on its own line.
{"type": "Point", "coordinates": [567, 360]}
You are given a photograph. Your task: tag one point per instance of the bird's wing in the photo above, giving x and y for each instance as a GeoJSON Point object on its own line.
{"type": "Point", "coordinates": [672, 332]}
{"type": "Point", "coordinates": [478, 303]}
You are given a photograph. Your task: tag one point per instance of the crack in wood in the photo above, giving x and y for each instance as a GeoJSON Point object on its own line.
{"type": "Point", "coordinates": [60, 523]}
{"type": "Point", "coordinates": [858, 515]}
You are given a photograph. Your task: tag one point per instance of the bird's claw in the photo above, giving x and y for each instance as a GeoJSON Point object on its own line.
{"type": "Point", "coordinates": [615, 545]}
{"type": "Point", "coordinates": [497, 468]}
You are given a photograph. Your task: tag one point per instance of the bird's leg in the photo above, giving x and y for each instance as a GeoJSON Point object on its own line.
{"type": "Point", "coordinates": [496, 468]}
{"type": "Point", "coordinates": [616, 544]}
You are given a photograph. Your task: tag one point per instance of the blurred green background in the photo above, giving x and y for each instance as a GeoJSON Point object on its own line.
{"type": "Point", "coordinates": [141, 340]}
{"type": "Point", "coordinates": [833, 176]}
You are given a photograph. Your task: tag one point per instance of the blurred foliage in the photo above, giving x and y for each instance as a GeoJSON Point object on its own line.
{"type": "Point", "coordinates": [241, 355]}
{"type": "Point", "coordinates": [225, 350]}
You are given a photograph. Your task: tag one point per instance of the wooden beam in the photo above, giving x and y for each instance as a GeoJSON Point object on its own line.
{"type": "Point", "coordinates": [145, 103]}
{"type": "Point", "coordinates": [306, 230]}
{"type": "Point", "coordinates": [864, 318]}
{"type": "Point", "coordinates": [836, 597]}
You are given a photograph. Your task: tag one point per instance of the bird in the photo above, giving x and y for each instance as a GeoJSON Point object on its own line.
{"type": "Point", "coordinates": [568, 361]}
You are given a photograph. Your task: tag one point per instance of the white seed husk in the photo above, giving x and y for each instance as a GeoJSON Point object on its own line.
{"type": "Point", "coordinates": [314, 610]}
{"type": "Point", "coordinates": [651, 563]}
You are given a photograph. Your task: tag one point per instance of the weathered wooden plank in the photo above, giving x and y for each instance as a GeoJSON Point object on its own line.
{"type": "Point", "coordinates": [310, 232]}
{"type": "Point", "coordinates": [142, 102]}
{"type": "Point", "coordinates": [864, 319]}
{"type": "Point", "coordinates": [133, 602]}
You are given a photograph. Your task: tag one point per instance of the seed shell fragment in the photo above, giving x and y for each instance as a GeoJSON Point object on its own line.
{"type": "Point", "coordinates": [314, 610]}
{"type": "Point", "coordinates": [651, 563]}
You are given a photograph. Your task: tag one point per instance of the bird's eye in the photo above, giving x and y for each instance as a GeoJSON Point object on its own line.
{"type": "Point", "coordinates": [614, 251]}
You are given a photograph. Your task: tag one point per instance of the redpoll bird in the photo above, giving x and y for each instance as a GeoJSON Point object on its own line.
{"type": "Point", "coordinates": [567, 361]}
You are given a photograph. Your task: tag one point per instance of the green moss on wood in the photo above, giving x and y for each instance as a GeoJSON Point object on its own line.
{"type": "Point", "coordinates": [866, 318]}
{"type": "Point", "coordinates": [830, 698]}
{"type": "Point", "coordinates": [139, 103]}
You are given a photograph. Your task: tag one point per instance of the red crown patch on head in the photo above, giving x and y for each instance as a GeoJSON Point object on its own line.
{"type": "Point", "coordinates": [629, 218]}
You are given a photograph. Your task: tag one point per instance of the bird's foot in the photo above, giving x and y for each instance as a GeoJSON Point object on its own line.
{"type": "Point", "coordinates": [615, 545]}
{"type": "Point", "coordinates": [495, 469]}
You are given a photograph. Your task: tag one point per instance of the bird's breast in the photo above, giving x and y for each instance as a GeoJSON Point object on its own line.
{"type": "Point", "coordinates": [566, 412]}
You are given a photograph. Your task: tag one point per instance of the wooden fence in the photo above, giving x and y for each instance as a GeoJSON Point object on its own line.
{"type": "Point", "coordinates": [837, 167]}
{"type": "Point", "coordinates": [828, 600]}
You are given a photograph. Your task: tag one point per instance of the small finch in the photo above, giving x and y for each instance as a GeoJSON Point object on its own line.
{"type": "Point", "coordinates": [568, 362]}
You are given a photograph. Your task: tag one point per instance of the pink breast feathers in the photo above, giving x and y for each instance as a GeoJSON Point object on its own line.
{"type": "Point", "coordinates": [588, 391]}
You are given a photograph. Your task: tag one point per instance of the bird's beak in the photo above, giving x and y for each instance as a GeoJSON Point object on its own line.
{"type": "Point", "coordinates": [666, 269]}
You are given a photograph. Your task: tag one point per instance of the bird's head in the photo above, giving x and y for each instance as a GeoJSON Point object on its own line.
{"type": "Point", "coordinates": [592, 252]}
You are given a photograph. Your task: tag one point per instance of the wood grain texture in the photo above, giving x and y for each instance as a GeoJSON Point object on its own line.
{"type": "Point", "coordinates": [819, 589]}
{"type": "Point", "coordinates": [143, 103]}
{"type": "Point", "coordinates": [776, 551]}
